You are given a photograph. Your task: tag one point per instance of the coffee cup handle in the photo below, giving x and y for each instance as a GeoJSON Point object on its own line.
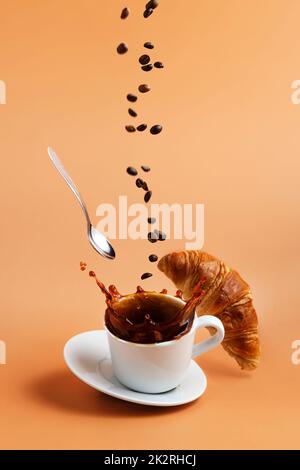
{"type": "Point", "coordinates": [206, 321]}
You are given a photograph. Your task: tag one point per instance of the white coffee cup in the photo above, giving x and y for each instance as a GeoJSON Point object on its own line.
{"type": "Point", "coordinates": [160, 367]}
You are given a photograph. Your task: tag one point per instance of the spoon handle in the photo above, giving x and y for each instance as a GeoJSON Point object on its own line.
{"type": "Point", "coordinates": [61, 169]}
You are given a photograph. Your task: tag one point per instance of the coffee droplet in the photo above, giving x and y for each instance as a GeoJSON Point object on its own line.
{"type": "Point", "coordinates": [132, 171]}
{"type": "Point", "coordinates": [144, 59]}
{"type": "Point", "coordinates": [130, 128]}
{"type": "Point", "coordinates": [142, 127]}
{"type": "Point", "coordinates": [132, 112]}
{"type": "Point", "coordinates": [156, 129]}
{"type": "Point", "coordinates": [122, 48]}
{"type": "Point", "coordinates": [125, 13]}
{"type": "Point", "coordinates": [132, 98]}
{"type": "Point", "coordinates": [83, 266]}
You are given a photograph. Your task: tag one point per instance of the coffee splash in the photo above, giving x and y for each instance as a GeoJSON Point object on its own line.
{"type": "Point", "coordinates": [147, 317]}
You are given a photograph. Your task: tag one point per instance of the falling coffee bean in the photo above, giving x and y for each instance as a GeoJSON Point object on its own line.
{"type": "Point", "coordinates": [153, 258]}
{"type": "Point", "coordinates": [156, 129]}
{"type": "Point", "coordinates": [148, 12]}
{"type": "Point", "coordinates": [130, 128]}
{"type": "Point", "coordinates": [145, 186]}
{"type": "Point", "coordinates": [161, 235]}
{"type": "Point", "coordinates": [152, 4]}
{"type": "Point", "coordinates": [132, 171]}
{"type": "Point", "coordinates": [145, 168]}
{"type": "Point", "coordinates": [132, 98]}
{"type": "Point", "coordinates": [152, 237]}
{"type": "Point", "coordinates": [149, 45]}
{"type": "Point", "coordinates": [144, 59]}
{"type": "Point", "coordinates": [144, 88]}
{"type": "Point", "coordinates": [147, 67]}
{"type": "Point", "coordinates": [151, 220]}
{"type": "Point", "coordinates": [159, 65]}
{"type": "Point", "coordinates": [125, 13]}
{"type": "Point", "coordinates": [142, 127]}
{"type": "Point", "coordinates": [146, 276]}
{"type": "Point", "coordinates": [139, 182]}
{"type": "Point", "coordinates": [132, 112]}
{"type": "Point", "coordinates": [122, 48]}
{"type": "Point", "coordinates": [148, 196]}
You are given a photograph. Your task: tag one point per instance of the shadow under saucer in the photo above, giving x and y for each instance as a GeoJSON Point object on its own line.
{"type": "Point", "coordinates": [62, 391]}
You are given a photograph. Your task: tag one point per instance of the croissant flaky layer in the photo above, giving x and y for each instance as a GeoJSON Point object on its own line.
{"type": "Point", "coordinates": [224, 294]}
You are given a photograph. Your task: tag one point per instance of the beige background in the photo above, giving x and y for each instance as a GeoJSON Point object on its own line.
{"type": "Point", "coordinates": [230, 141]}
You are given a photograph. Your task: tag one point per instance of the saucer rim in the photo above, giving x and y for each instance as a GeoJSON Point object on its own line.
{"type": "Point", "coordinates": [145, 397]}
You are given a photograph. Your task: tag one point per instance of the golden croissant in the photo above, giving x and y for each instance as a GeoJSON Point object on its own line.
{"type": "Point", "coordinates": [224, 294]}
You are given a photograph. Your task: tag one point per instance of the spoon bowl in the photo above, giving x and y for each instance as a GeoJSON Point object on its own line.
{"type": "Point", "coordinates": [98, 241]}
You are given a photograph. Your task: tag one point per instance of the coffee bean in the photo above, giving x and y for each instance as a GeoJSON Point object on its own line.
{"type": "Point", "coordinates": [151, 220]}
{"type": "Point", "coordinates": [130, 128]}
{"type": "Point", "coordinates": [147, 68]}
{"type": "Point", "coordinates": [132, 98]}
{"type": "Point", "coordinates": [144, 59]}
{"type": "Point", "coordinates": [149, 45]}
{"type": "Point", "coordinates": [145, 186]}
{"type": "Point", "coordinates": [159, 65]}
{"type": "Point", "coordinates": [144, 88]}
{"type": "Point", "coordinates": [145, 168]}
{"type": "Point", "coordinates": [153, 258]}
{"type": "Point", "coordinates": [156, 129]}
{"type": "Point", "coordinates": [125, 13]}
{"type": "Point", "coordinates": [148, 12]}
{"type": "Point", "coordinates": [139, 182]}
{"type": "Point", "coordinates": [146, 276]}
{"type": "Point", "coordinates": [148, 196]}
{"type": "Point", "coordinates": [132, 112]}
{"type": "Point", "coordinates": [152, 4]}
{"type": "Point", "coordinates": [122, 48]}
{"type": "Point", "coordinates": [142, 127]}
{"type": "Point", "coordinates": [152, 237]}
{"type": "Point", "coordinates": [161, 235]}
{"type": "Point", "coordinates": [132, 171]}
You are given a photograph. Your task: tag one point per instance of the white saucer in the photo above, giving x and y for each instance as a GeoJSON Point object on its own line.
{"type": "Point", "coordinates": [87, 355]}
